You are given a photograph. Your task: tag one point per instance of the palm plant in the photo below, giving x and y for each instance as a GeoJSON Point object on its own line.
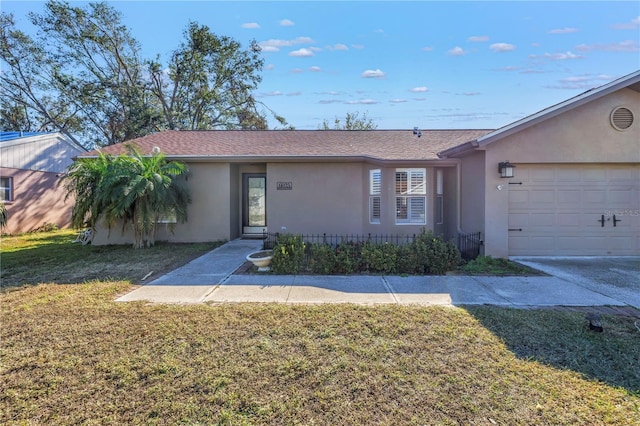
{"type": "Point", "coordinates": [153, 187]}
{"type": "Point", "coordinates": [84, 180]}
{"type": "Point", "coordinates": [132, 189]}
{"type": "Point", "coordinates": [3, 215]}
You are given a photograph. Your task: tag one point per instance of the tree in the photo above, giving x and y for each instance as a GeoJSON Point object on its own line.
{"type": "Point", "coordinates": [208, 83]}
{"type": "Point", "coordinates": [352, 121]}
{"type": "Point", "coordinates": [133, 189]}
{"type": "Point", "coordinates": [83, 75]}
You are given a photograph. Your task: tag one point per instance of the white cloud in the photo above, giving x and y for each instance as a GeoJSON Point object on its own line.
{"type": "Point", "coordinates": [398, 101]}
{"type": "Point", "coordinates": [274, 45]}
{"type": "Point", "coordinates": [373, 74]}
{"type": "Point", "coordinates": [557, 56]}
{"type": "Point", "coordinates": [457, 51]}
{"type": "Point", "coordinates": [565, 30]}
{"type": "Point", "coordinates": [270, 67]}
{"type": "Point", "coordinates": [301, 53]}
{"type": "Point", "coordinates": [251, 25]}
{"type": "Point", "coordinates": [623, 46]}
{"type": "Point", "coordinates": [297, 71]}
{"type": "Point", "coordinates": [502, 47]}
{"type": "Point", "coordinates": [294, 94]}
{"type": "Point", "coordinates": [427, 49]}
{"type": "Point", "coordinates": [362, 102]}
{"type": "Point", "coordinates": [357, 46]}
{"type": "Point", "coordinates": [338, 46]}
{"type": "Point", "coordinates": [420, 89]}
{"type": "Point", "coordinates": [631, 25]}
{"type": "Point", "coordinates": [274, 93]}
{"type": "Point", "coordinates": [478, 38]}
{"type": "Point", "coordinates": [315, 69]}
{"type": "Point", "coordinates": [286, 23]}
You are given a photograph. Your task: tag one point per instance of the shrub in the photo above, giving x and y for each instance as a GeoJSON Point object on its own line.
{"type": "Point", "coordinates": [323, 259]}
{"type": "Point", "coordinates": [347, 258]}
{"type": "Point", "coordinates": [433, 255]}
{"type": "Point", "coordinates": [380, 257]}
{"type": "Point", "coordinates": [288, 254]}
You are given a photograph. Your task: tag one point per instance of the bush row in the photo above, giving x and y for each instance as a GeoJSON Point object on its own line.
{"type": "Point", "coordinates": [427, 254]}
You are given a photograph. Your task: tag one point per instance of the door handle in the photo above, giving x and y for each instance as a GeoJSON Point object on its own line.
{"type": "Point", "coordinates": [616, 220]}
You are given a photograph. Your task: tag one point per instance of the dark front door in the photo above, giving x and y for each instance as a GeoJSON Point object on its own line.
{"type": "Point", "coordinates": [254, 203]}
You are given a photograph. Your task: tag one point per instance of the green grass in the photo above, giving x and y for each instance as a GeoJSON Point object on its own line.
{"type": "Point", "coordinates": [52, 257]}
{"type": "Point", "coordinates": [487, 265]}
{"type": "Point", "coordinates": [69, 354]}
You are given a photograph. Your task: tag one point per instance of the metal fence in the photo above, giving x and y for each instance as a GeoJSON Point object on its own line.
{"type": "Point", "coordinates": [270, 239]}
{"type": "Point", "coordinates": [469, 245]}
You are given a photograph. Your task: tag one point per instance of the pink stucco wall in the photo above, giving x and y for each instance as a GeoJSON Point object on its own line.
{"type": "Point", "coordinates": [37, 199]}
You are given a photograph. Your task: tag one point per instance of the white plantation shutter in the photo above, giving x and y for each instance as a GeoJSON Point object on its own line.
{"type": "Point", "coordinates": [411, 208]}
{"type": "Point", "coordinates": [375, 189]}
{"type": "Point", "coordinates": [417, 209]}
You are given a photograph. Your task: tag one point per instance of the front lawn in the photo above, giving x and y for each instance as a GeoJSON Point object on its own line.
{"type": "Point", "coordinates": [45, 257]}
{"type": "Point", "coordinates": [70, 354]}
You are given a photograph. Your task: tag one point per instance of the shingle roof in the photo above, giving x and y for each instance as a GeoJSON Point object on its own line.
{"type": "Point", "coordinates": [284, 144]}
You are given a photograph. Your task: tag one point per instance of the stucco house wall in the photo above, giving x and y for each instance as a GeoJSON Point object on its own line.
{"type": "Point", "coordinates": [210, 212]}
{"type": "Point", "coordinates": [583, 135]}
{"type": "Point", "coordinates": [324, 198]}
{"type": "Point", "coordinates": [37, 200]}
{"type": "Point", "coordinates": [34, 164]}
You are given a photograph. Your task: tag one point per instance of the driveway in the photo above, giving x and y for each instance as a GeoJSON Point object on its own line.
{"type": "Point", "coordinates": [615, 277]}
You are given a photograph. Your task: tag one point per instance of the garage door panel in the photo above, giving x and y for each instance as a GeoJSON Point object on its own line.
{"type": "Point", "coordinates": [594, 175]}
{"type": "Point", "coordinates": [557, 210]}
{"type": "Point", "coordinates": [595, 197]}
{"type": "Point", "coordinates": [519, 197]}
{"type": "Point", "coordinates": [569, 196]}
{"type": "Point", "coordinates": [545, 196]}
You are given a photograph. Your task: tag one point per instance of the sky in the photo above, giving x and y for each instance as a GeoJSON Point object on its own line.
{"type": "Point", "coordinates": [425, 64]}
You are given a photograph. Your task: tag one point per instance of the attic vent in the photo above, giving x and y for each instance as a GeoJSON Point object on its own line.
{"type": "Point", "coordinates": [621, 118]}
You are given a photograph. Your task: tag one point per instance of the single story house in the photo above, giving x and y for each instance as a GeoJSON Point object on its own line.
{"type": "Point", "coordinates": [574, 187]}
{"type": "Point", "coordinates": [31, 164]}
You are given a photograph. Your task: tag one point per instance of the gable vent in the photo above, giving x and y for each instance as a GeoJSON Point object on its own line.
{"type": "Point", "coordinates": [621, 118]}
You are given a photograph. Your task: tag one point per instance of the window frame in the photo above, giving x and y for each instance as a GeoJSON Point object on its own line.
{"type": "Point", "coordinates": [7, 190]}
{"type": "Point", "coordinates": [409, 191]}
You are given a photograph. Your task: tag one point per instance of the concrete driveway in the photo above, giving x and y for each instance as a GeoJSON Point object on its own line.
{"type": "Point", "coordinates": [615, 277]}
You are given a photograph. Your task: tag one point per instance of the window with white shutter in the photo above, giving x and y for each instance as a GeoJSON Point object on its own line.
{"type": "Point", "coordinates": [411, 200]}
{"type": "Point", "coordinates": [375, 190]}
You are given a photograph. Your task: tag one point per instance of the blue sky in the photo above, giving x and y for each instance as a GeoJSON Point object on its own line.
{"type": "Point", "coordinates": [435, 65]}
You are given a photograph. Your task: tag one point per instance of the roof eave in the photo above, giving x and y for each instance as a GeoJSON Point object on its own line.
{"type": "Point", "coordinates": [287, 158]}
{"type": "Point", "coordinates": [456, 151]}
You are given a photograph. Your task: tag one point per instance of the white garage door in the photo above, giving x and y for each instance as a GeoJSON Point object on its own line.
{"type": "Point", "coordinates": [574, 210]}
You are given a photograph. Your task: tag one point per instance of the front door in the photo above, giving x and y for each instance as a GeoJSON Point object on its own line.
{"type": "Point", "coordinates": [254, 203]}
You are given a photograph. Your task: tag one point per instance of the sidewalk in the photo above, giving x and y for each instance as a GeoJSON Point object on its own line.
{"type": "Point", "coordinates": [210, 279]}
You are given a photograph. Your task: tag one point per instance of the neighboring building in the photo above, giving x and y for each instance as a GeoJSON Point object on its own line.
{"type": "Point", "coordinates": [31, 165]}
{"type": "Point", "coordinates": [575, 190]}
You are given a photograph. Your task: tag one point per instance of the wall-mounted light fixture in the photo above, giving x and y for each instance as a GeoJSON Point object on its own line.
{"type": "Point", "coordinates": [506, 169]}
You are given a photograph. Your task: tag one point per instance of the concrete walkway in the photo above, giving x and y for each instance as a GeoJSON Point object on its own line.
{"type": "Point", "coordinates": [210, 279]}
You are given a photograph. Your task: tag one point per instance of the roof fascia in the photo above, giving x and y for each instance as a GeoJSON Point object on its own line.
{"type": "Point", "coordinates": [557, 109]}
{"type": "Point", "coordinates": [459, 150]}
{"type": "Point", "coordinates": [290, 159]}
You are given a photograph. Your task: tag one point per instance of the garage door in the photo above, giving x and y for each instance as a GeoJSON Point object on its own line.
{"type": "Point", "coordinates": [574, 210]}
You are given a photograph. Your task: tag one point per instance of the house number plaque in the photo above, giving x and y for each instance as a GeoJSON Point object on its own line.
{"type": "Point", "coordinates": [283, 186]}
